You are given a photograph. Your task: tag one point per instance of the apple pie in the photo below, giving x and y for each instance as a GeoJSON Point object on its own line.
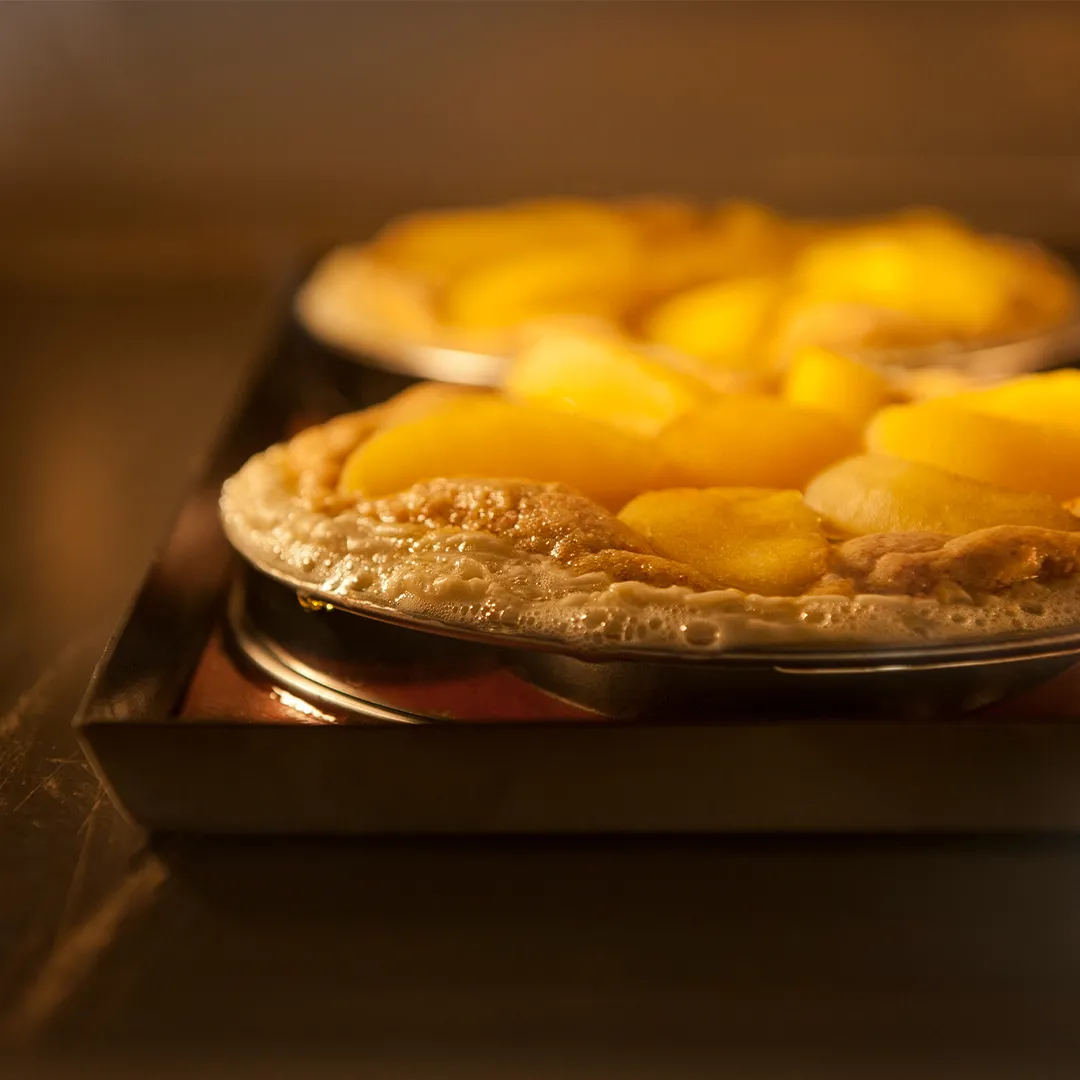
{"type": "Point", "coordinates": [650, 511]}
{"type": "Point", "coordinates": [737, 287]}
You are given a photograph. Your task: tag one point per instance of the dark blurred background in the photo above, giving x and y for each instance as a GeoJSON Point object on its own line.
{"type": "Point", "coordinates": [165, 166]}
{"type": "Point", "coordinates": [220, 135]}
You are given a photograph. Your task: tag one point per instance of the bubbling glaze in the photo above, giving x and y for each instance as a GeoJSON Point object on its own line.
{"type": "Point", "coordinates": [474, 580]}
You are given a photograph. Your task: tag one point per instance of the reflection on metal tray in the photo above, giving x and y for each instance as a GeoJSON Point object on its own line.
{"type": "Point", "coordinates": [437, 362]}
{"type": "Point", "coordinates": [372, 671]}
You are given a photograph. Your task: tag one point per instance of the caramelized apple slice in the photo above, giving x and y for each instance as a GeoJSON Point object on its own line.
{"type": "Point", "coordinates": [1049, 398]}
{"type": "Point", "coordinates": [722, 323]}
{"type": "Point", "coordinates": [439, 245]}
{"type": "Point", "coordinates": [755, 440]}
{"type": "Point", "coordinates": [826, 380]}
{"type": "Point", "coordinates": [486, 435]}
{"type": "Point", "coordinates": [764, 542]}
{"type": "Point", "coordinates": [595, 279]}
{"type": "Point", "coordinates": [933, 270]}
{"type": "Point", "coordinates": [875, 493]}
{"type": "Point", "coordinates": [604, 379]}
{"type": "Point", "coordinates": [736, 240]}
{"type": "Point", "coordinates": [1013, 454]}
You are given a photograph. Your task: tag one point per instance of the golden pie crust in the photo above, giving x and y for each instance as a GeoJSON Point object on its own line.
{"type": "Point", "coordinates": [541, 559]}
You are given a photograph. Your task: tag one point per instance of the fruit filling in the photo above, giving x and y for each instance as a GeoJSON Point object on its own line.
{"type": "Point", "coordinates": [786, 493]}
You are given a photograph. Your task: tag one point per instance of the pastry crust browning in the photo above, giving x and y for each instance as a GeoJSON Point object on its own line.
{"type": "Point", "coordinates": [932, 564]}
{"type": "Point", "coordinates": [538, 519]}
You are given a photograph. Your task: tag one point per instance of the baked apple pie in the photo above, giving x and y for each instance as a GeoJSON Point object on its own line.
{"type": "Point", "coordinates": [737, 286]}
{"type": "Point", "coordinates": [602, 499]}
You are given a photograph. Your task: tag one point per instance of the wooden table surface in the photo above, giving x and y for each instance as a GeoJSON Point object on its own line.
{"type": "Point", "coordinates": [871, 957]}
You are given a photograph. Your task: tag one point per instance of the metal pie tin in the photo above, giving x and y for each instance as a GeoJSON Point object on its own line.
{"type": "Point", "coordinates": [314, 648]}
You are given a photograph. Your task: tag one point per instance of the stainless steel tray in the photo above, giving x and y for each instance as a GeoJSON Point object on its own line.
{"type": "Point", "coordinates": [736, 768]}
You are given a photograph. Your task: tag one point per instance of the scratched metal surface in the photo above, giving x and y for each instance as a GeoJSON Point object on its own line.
{"type": "Point", "coordinates": [869, 958]}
